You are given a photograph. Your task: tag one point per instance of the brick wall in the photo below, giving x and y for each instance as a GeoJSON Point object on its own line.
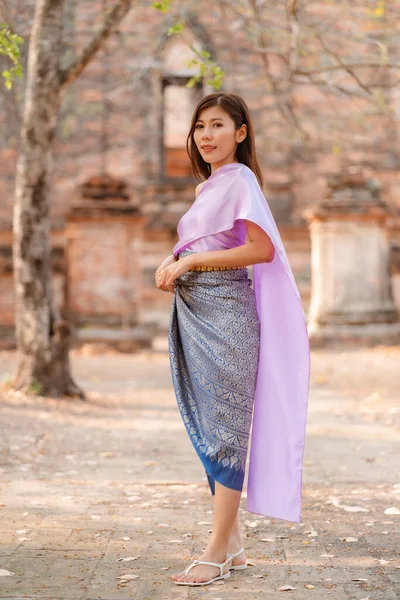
{"type": "Point", "coordinates": [113, 119]}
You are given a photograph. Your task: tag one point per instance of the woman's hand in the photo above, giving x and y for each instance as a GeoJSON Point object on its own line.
{"type": "Point", "coordinates": [158, 274]}
{"type": "Point", "coordinates": [169, 270]}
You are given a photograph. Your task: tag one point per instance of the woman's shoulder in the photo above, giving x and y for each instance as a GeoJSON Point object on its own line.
{"type": "Point", "coordinates": [198, 188]}
{"type": "Point", "coordinates": [240, 171]}
{"type": "Point", "coordinates": [245, 171]}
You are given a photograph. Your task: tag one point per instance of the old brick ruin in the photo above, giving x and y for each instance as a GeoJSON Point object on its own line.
{"type": "Point", "coordinates": [121, 176]}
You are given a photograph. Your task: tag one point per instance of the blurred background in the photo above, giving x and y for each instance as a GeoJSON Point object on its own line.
{"type": "Point", "coordinates": [322, 84]}
{"type": "Point", "coordinates": [94, 177]}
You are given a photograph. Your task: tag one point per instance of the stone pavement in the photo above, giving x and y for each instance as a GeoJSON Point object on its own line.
{"type": "Point", "coordinates": [94, 492]}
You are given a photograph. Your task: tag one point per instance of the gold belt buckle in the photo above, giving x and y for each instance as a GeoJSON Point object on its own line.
{"type": "Point", "coordinates": [214, 268]}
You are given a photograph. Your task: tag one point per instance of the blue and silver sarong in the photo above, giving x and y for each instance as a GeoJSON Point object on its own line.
{"type": "Point", "coordinates": [214, 341]}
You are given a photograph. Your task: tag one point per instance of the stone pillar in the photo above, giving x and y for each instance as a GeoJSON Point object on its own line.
{"type": "Point", "coordinates": [104, 235]}
{"type": "Point", "coordinates": [279, 191]}
{"type": "Point", "coordinates": [351, 292]}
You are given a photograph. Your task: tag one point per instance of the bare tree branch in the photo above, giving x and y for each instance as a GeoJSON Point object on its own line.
{"type": "Point", "coordinates": [5, 15]}
{"type": "Point", "coordinates": [295, 27]}
{"type": "Point", "coordinates": [111, 22]}
{"type": "Point", "coordinates": [271, 52]}
{"type": "Point", "coordinates": [339, 59]}
{"type": "Point", "coordinates": [283, 105]}
{"type": "Point", "coordinates": [347, 66]}
{"type": "Point", "coordinates": [248, 20]}
{"type": "Point", "coordinates": [355, 91]}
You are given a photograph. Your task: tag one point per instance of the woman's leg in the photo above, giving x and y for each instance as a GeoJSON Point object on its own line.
{"type": "Point", "coordinates": [234, 544]}
{"type": "Point", "coordinates": [226, 506]}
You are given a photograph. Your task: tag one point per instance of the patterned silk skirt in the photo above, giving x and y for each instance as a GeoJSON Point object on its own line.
{"type": "Point", "coordinates": [214, 342]}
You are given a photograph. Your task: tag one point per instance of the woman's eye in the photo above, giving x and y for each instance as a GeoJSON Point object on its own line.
{"type": "Point", "coordinates": [215, 124]}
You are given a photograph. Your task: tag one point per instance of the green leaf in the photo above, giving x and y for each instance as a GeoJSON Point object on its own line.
{"type": "Point", "coordinates": [178, 28]}
{"type": "Point", "coordinates": [192, 82]}
{"type": "Point", "coordinates": [9, 46]}
{"type": "Point", "coordinates": [380, 98]}
{"type": "Point", "coordinates": [208, 69]}
{"type": "Point", "coordinates": [162, 6]}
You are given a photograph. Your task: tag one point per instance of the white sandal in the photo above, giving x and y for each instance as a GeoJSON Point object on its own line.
{"type": "Point", "coordinates": [203, 562]}
{"type": "Point", "coordinates": [236, 567]}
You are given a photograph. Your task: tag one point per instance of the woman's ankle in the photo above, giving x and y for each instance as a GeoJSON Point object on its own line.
{"type": "Point", "coordinates": [234, 545]}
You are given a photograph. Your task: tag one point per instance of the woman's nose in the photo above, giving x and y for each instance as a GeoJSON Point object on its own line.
{"type": "Point", "coordinates": [207, 134]}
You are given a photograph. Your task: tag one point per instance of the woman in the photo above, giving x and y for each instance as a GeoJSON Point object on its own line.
{"type": "Point", "coordinates": [239, 356]}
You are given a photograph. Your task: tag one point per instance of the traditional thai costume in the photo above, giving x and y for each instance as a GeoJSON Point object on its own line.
{"type": "Point", "coordinates": [239, 355]}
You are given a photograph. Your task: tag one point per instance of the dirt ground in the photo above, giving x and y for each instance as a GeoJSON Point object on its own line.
{"type": "Point", "coordinates": [105, 499]}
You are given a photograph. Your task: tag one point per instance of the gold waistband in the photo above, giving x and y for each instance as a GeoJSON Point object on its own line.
{"type": "Point", "coordinates": [214, 268]}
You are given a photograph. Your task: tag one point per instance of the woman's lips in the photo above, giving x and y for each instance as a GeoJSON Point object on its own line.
{"type": "Point", "coordinates": [208, 148]}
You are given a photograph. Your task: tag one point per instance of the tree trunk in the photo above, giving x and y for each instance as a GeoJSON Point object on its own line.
{"type": "Point", "coordinates": [42, 337]}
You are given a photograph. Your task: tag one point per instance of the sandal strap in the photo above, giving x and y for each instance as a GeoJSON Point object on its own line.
{"type": "Point", "coordinates": [196, 562]}
{"type": "Point", "coordinates": [236, 553]}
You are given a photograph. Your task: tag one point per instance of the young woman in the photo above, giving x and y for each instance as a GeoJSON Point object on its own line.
{"type": "Point", "coordinates": [239, 355]}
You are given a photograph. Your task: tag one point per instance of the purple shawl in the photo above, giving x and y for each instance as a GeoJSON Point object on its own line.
{"type": "Point", "coordinates": [274, 486]}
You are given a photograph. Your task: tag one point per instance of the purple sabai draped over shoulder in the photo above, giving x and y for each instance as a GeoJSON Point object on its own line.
{"type": "Point", "coordinates": [274, 485]}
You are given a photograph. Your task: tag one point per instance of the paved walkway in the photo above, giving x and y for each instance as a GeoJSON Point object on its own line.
{"type": "Point", "coordinates": [94, 492]}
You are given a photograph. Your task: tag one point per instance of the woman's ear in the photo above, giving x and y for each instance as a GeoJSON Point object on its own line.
{"type": "Point", "coordinates": [241, 133]}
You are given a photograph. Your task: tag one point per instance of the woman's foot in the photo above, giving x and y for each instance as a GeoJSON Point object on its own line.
{"type": "Point", "coordinates": [202, 573]}
{"type": "Point", "coordinates": [241, 558]}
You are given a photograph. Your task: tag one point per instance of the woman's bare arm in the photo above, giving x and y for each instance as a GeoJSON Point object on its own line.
{"type": "Point", "coordinates": [258, 249]}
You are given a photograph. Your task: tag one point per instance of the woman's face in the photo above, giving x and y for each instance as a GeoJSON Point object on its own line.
{"type": "Point", "coordinates": [216, 137]}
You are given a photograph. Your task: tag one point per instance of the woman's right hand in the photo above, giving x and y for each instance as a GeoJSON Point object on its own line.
{"type": "Point", "coordinates": [159, 274]}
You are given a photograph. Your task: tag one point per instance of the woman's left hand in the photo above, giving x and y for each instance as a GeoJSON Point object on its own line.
{"type": "Point", "coordinates": [176, 269]}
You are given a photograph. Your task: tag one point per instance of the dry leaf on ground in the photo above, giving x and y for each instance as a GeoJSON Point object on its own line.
{"type": "Point", "coordinates": [392, 511]}
{"type": "Point", "coordinates": [311, 533]}
{"type": "Point", "coordinates": [251, 523]}
{"type": "Point", "coordinates": [128, 577]}
{"type": "Point", "coordinates": [286, 588]}
{"type": "Point", "coordinates": [346, 507]}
